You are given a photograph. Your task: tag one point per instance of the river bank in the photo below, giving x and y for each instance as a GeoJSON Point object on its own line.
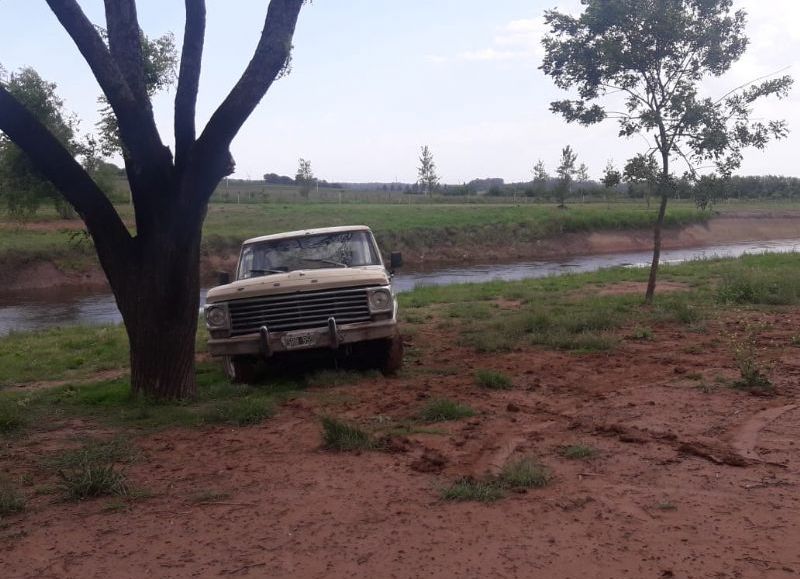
{"type": "Point", "coordinates": [438, 248]}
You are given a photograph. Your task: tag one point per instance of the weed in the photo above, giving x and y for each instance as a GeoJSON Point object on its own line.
{"type": "Point", "coordinates": [707, 388]}
{"type": "Point", "coordinates": [579, 452]}
{"type": "Point", "coordinates": [752, 375]}
{"type": "Point", "coordinates": [492, 380]}
{"type": "Point", "coordinates": [751, 285]}
{"type": "Point", "coordinates": [469, 489]}
{"type": "Point", "coordinates": [523, 474]}
{"type": "Point", "coordinates": [341, 436]}
{"type": "Point", "coordinates": [116, 450]}
{"type": "Point", "coordinates": [90, 479]}
{"type": "Point", "coordinates": [641, 333]}
{"type": "Point", "coordinates": [442, 410]}
{"type": "Point", "coordinates": [10, 500]}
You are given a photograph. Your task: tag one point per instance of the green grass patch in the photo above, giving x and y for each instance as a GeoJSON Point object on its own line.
{"type": "Point", "coordinates": [344, 437]}
{"type": "Point", "coordinates": [470, 489]}
{"type": "Point", "coordinates": [493, 380]}
{"type": "Point", "coordinates": [524, 473]}
{"type": "Point", "coordinates": [579, 452]}
{"type": "Point", "coordinates": [442, 410]}
{"type": "Point", "coordinates": [755, 286]}
{"type": "Point", "coordinates": [91, 479]}
{"type": "Point", "coordinates": [74, 352]}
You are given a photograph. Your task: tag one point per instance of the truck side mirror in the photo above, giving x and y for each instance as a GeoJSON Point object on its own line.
{"type": "Point", "coordinates": [223, 277]}
{"type": "Point", "coordinates": [395, 260]}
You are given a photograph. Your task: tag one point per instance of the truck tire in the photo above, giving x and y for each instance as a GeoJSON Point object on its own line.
{"type": "Point", "coordinates": [240, 369]}
{"type": "Point", "coordinates": [391, 356]}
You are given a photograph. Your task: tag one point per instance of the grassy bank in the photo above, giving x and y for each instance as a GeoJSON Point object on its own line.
{"type": "Point", "coordinates": [579, 313]}
{"type": "Point", "coordinates": [399, 226]}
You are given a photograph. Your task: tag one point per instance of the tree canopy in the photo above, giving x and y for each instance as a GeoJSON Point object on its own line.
{"type": "Point", "coordinates": [642, 63]}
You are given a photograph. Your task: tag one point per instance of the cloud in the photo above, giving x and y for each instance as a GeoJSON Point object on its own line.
{"type": "Point", "coordinates": [518, 40]}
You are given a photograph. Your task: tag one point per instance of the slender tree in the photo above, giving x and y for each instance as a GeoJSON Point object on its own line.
{"type": "Point", "coordinates": [153, 273]}
{"type": "Point", "coordinates": [653, 57]}
{"type": "Point", "coordinates": [428, 179]}
{"type": "Point", "coordinates": [611, 179]}
{"type": "Point", "coordinates": [304, 177]}
{"type": "Point", "coordinates": [565, 172]}
{"type": "Point", "coordinates": [540, 178]}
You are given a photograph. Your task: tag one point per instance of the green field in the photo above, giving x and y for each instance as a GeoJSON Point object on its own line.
{"type": "Point", "coordinates": [417, 225]}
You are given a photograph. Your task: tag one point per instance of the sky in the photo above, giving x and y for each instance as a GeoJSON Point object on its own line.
{"type": "Point", "coordinates": [372, 81]}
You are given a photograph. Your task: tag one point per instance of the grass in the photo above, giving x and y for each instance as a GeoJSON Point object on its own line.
{"type": "Point", "coordinates": [524, 473]}
{"type": "Point", "coordinates": [442, 410]}
{"type": "Point", "coordinates": [11, 501]}
{"type": "Point", "coordinates": [492, 380]}
{"type": "Point", "coordinates": [397, 225]}
{"type": "Point", "coordinates": [74, 352]}
{"type": "Point", "coordinates": [91, 479]}
{"type": "Point", "coordinates": [752, 373]}
{"type": "Point", "coordinates": [579, 452]}
{"type": "Point", "coordinates": [469, 489]}
{"type": "Point", "coordinates": [521, 474]}
{"type": "Point", "coordinates": [344, 437]}
{"type": "Point", "coordinates": [111, 403]}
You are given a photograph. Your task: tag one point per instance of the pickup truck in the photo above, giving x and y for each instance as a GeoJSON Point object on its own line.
{"type": "Point", "coordinates": [305, 290]}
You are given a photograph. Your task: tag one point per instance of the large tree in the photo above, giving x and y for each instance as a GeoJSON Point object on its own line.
{"type": "Point", "coordinates": [153, 273]}
{"type": "Point", "coordinates": [648, 59]}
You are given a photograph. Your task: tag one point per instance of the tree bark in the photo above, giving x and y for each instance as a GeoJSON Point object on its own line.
{"type": "Point", "coordinates": [662, 210]}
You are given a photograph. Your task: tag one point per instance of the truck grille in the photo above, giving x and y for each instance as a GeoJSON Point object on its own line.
{"type": "Point", "coordinates": [299, 311]}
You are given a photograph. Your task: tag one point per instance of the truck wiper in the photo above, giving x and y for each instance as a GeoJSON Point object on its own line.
{"type": "Point", "coordinates": [263, 271]}
{"type": "Point", "coordinates": [330, 261]}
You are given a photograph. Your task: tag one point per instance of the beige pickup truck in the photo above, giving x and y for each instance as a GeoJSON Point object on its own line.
{"type": "Point", "coordinates": [305, 290]}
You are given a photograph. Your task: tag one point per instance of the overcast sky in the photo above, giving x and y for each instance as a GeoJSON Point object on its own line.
{"type": "Point", "coordinates": [372, 81]}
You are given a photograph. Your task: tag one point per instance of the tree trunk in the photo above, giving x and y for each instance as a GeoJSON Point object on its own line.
{"type": "Point", "coordinates": [159, 301]}
{"type": "Point", "coordinates": [651, 282]}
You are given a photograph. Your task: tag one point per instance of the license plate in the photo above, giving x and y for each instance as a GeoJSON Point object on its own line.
{"type": "Point", "coordinates": [294, 341]}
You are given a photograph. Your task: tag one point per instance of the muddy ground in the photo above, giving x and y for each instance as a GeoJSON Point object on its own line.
{"type": "Point", "coordinates": [693, 479]}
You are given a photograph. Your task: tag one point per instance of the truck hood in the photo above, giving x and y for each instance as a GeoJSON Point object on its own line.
{"type": "Point", "coordinates": [299, 281]}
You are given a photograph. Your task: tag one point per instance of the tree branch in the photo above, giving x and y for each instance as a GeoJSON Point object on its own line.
{"type": "Point", "coordinates": [56, 163]}
{"type": "Point", "coordinates": [124, 41]}
{"type": "Point", "coordinates": [269, 59]}
{"type": "Point", "coordinates": [189, 78]}
{"type": "Point", "coordinates": [136, 123]}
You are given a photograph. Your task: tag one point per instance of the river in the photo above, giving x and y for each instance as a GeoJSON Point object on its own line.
{"type": "Point", "coordinates": [29, 310]}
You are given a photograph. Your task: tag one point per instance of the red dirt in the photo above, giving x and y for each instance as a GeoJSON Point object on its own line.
{"type": "Point", "coordinates": [662, 499]}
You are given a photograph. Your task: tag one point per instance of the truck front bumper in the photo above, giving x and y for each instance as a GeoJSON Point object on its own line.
{"type": "Point", "coordinates": [266, 343]}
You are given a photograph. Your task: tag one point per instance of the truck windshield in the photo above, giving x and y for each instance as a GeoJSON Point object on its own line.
{"type": "Point", "coordinates": [324, 250]}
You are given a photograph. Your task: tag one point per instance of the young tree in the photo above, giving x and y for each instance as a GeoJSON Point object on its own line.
{"type": "Point", "coordinates": [428, 179]}
{"type": "Point", "coordinates": [23, 188]}
{"type": "Point", "coordinates": [154, 274]}
{"type": "Point", "coordinates": [656, 55]}
{"type": "Point", "coordinates": [304, 177]}
{"type": "Point", "coordinates": [582, 173]}
{"type": "Point", "coordinates": [565, 172]}
{"type": "Point", "coordinates": [540, 178]}
{"type": "Point", "coordinates": [611, 179]}
{"type": "Point", "coordinates": [642, 170]}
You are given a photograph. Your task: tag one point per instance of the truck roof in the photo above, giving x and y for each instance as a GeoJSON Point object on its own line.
{"type": "Point", "coordinates": [303, 232]}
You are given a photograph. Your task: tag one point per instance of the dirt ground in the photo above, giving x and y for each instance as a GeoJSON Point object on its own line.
{"type": "Point", "coordinates": [692, 480]}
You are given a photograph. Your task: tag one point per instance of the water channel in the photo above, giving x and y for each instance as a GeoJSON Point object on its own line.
{"type": "Point", "coordinates": [38, 310]}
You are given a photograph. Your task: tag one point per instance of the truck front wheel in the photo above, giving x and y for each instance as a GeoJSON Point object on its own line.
{"type": "Point", "coordinates": [240, 369]}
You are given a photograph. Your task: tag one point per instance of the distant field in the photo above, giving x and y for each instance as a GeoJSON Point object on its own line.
{"type": "Point", "coordinates": [408, 225]}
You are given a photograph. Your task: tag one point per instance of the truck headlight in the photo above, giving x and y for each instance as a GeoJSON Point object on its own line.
{"type": "Point", "coordinates": [216, 316]}
{"type": "Point", "coordinates": [380, 300]}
